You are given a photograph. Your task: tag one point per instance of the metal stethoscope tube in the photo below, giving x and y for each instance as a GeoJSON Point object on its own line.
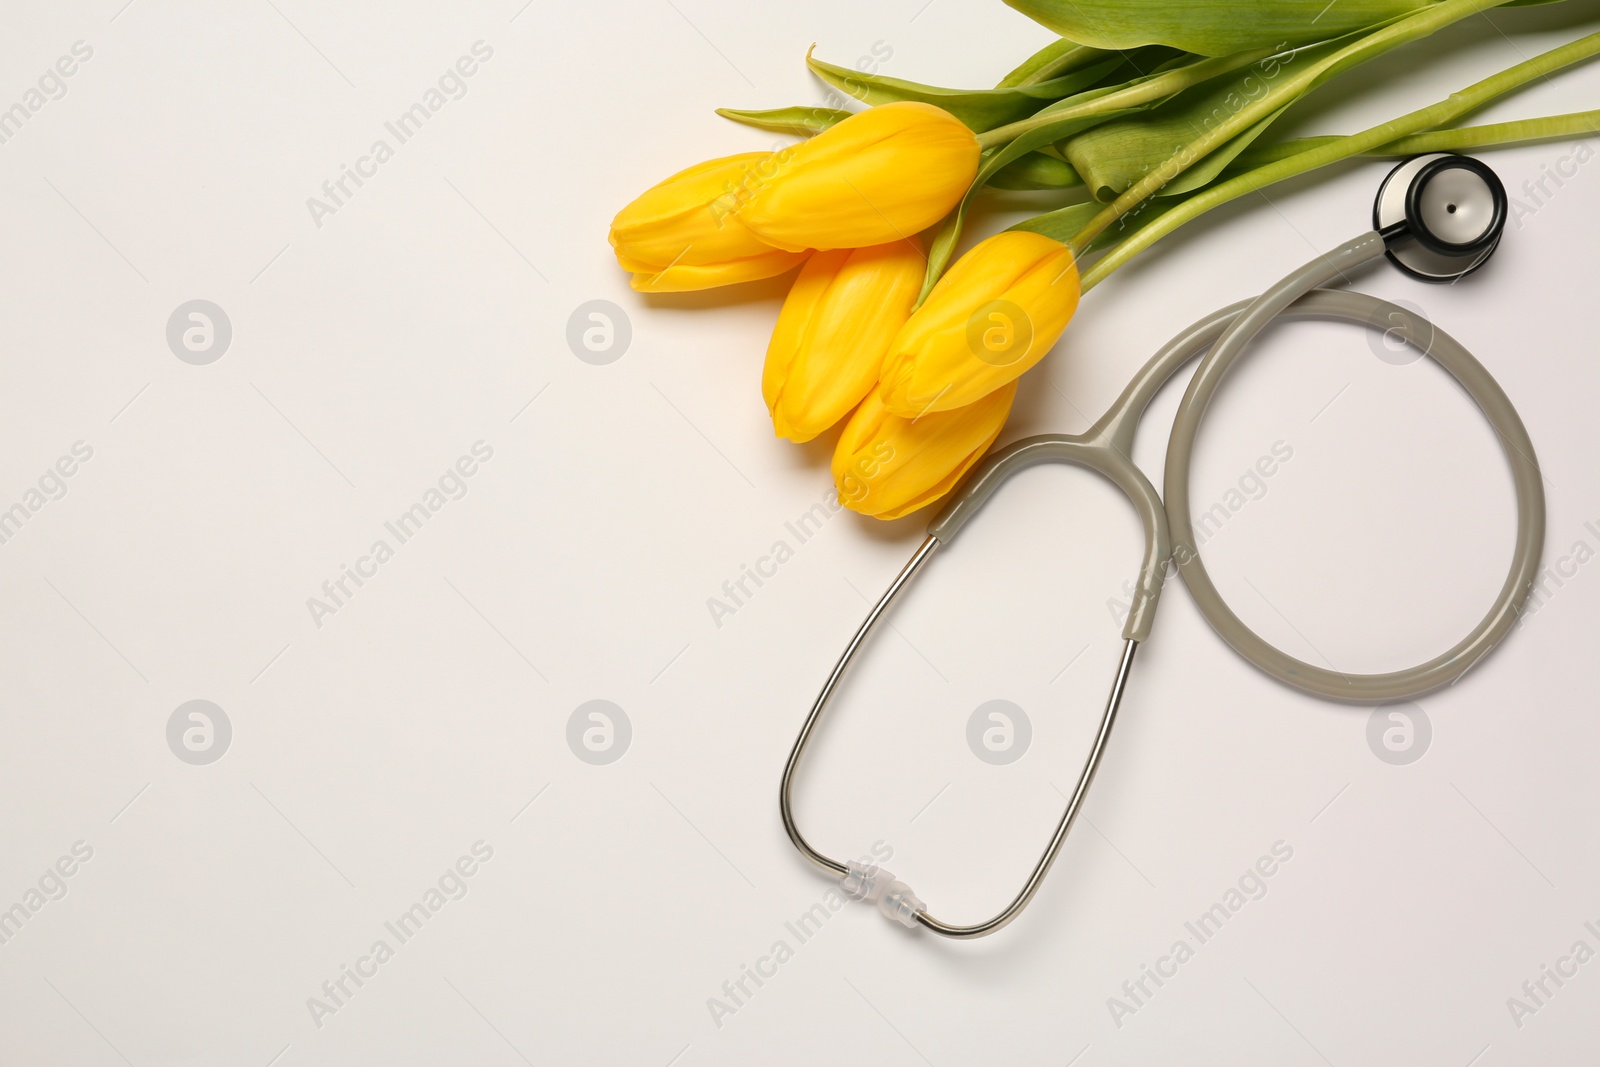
{"type": "Point", "coordinates": [1451, 248]}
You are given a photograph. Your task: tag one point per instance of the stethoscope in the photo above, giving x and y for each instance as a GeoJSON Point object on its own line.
{"type": "Point", "coordinates": [1437, 217]}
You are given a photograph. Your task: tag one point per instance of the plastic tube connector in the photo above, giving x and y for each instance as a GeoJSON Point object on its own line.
{"type": "Point", "coordinates": [871, 884]}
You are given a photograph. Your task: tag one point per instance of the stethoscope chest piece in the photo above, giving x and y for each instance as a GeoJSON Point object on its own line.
{"type": "Point", "coordinates": [1440, 215]}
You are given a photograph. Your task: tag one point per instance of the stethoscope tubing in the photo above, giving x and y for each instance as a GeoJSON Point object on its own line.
{"type": "Point", "coordinates": [1107, 447]}
{"type": "Point", "coordinates": [1302, 291]}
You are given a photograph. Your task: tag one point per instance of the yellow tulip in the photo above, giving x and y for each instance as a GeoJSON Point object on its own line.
{"type": "Point", "coordinates": [682, 234]}
{"type": "Point", "coordinates": [886, 466]}
{"type": "Point", "coordinates": [881, 175]}
{"type": "Point", "coordinates": [993, 315]}
{"type": "Point", "coordinates": [845, 308]}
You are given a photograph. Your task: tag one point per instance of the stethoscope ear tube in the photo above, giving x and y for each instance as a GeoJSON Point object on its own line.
{"type": "Point", "coordinates": [1090, 454]}
{"type": "Point", "coordinates": [1403, 215]}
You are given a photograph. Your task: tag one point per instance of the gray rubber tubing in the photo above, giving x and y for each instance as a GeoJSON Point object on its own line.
{"type": "Point", "coordinates": [1473, 379]}
{"type": "Point", "coordinates": [1169, 530]}
{"type": "Point", "coordinates": [1084, 451]}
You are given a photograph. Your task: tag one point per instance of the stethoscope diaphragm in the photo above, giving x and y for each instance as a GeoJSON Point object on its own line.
{"type": "Point", "coordinates": [1441, 215]}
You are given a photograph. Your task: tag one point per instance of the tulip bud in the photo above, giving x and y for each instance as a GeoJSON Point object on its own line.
{"type": "Point", "coordinates": [880, 175]}
{"type": "Point", "coordinates": [683, 233]}
{"type": "Point", "coordinates": [993, 315]}
{"type": "Point", "coordinates": [845, 308]}
{"type": "Point", "coordinates": [886, 466]}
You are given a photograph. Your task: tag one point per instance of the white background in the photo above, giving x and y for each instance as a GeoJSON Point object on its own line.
{"type": "Point", "coordinates": [370, 752]}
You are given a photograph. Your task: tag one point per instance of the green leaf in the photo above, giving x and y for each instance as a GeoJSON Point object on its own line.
{"type": "Point", "coordinates": [1061, 120]}
{"type": "Point", "coordinates": [994, 160]}
{"type": "Point", "coordinates": [1036, 171]}
{"type": "Point", "coordinates": [1142, 92]}
{"type": "Point", "coordinates": [1204, 172]}
{"type": "Point", "coordinates": [1114, 156]}
{"type": "Point", "coordinates": [1061, 224]}
{"type": "Point", "coordinates": [1064, 57]}
{"type": "Point", "coordinates": [1209, 27]}
{"type": "Point", "coordinates": [1366, 45]}
{"type": "Point", "coordinates": [1064, 223]}
{"type": "Point", "coordinates": [980, 109]}
{"type": "Point", "coordinates": [1422, 130]}
{"type": "Point", "coordinates": [802, 119]}
{"type": "Point", "coordinates": [1053, 60]}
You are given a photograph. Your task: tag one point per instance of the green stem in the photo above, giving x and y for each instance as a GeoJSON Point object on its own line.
{"type": "Point", "coordinates": [1495, 135]}
{"type": "Point", "coordinates": [1454, 139]}
{"type": "Point", "coordinates": [1405, 134]}
{"type": "Point", "coordinates": [1147, 91]}
{"type": "Point", "coordinates": [1426, 21]}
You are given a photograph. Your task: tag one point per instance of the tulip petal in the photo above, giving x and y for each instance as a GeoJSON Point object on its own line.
{"type": "Point", "coordinates": [882, 175]}
{"type": "Point", "coordinates": [887, 466]}
{"type": "Point", "coordinates": [683, 233]}
{"type": "Point", "coordinates": [995, 314]}
{"type": "Point", "coordinates": [690, 277]}
{"type": "Point", "coordinates": [827, 348]}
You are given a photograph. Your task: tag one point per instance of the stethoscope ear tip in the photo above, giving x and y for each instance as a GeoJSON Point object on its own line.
{"type": "Point", "coordinates": [1441, 215]}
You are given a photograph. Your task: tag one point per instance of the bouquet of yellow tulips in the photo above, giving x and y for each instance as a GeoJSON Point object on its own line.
{"type": "Point", "coordinates": [1144, 115]}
